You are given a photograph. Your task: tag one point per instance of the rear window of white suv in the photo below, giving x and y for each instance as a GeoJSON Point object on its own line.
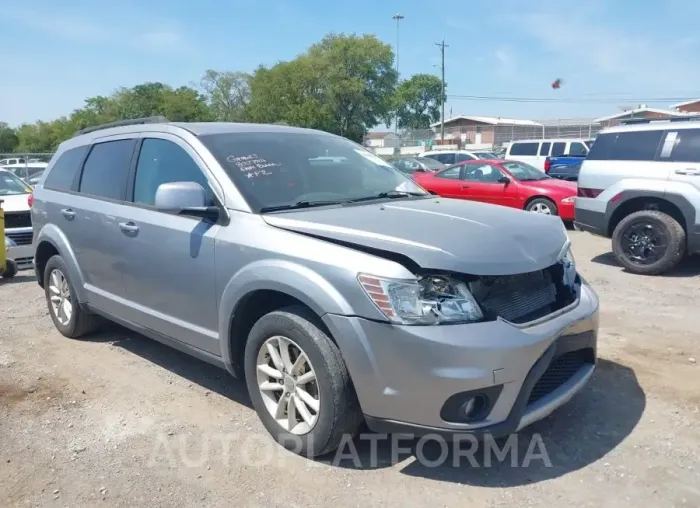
{"type": "Point", "coordinates": [626, 146]}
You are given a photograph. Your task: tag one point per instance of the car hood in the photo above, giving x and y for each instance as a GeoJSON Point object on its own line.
{"type": "Point", "coordinates": [552, 184]}
{"type": "Point", "coordinates": [15, 203]}
{"type": "Point", "coordinates": [440, 234]}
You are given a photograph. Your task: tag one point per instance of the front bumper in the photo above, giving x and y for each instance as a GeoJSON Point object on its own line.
{"type": "Point", "coordinates": [23, 255]}
{"type": "Point", "coordinates": [406, 376]}
{"type": "Point", "coordinates": [566, 211]}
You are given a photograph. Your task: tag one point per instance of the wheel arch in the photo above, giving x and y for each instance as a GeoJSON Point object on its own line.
{"type": "Point", "coordinates": [629, 202]}
{"type": "Point", "coordinates": [49, 242]}
{"type": "Point", "coordinates": [248, 296]}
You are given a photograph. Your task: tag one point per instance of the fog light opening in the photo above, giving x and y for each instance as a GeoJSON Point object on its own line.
{"type": "Point", "coordinates": [474, 407]}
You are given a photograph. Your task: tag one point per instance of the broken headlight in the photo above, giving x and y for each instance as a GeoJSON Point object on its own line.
{"type": "Point", "coordinates": [429, 300]}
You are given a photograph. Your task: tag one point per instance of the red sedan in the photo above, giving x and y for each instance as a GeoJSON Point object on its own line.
{"type": "Point", "coordinates": [503, 182]}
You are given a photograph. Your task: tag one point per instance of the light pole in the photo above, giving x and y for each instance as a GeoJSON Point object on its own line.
{"type": "Point", "coordinates": [398, 17]}
{"type": "Point", "coordinates": [442, 47]}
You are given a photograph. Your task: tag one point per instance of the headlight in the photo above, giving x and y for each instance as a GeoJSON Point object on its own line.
{"type": "Point", "coordinates": [570, 199]}
{"type": "Point", "coordinates": [429, 300]}
{"type": "Point", "coordinates": [9, 242]}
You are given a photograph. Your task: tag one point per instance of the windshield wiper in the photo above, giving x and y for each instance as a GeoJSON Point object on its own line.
{"type": "Point", "coordinates": [388, 195]}
{"type": "Point", "coordinates": [298, 204]}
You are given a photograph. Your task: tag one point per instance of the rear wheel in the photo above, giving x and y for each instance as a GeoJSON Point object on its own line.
{"type": "Point", "coordinates": [299, 384]}
{"type": "Point", "coordinates": [542, 205]}
{"type": "Point", "coordinates": [648, 242]}
{"type": "Point", "coordinates": [69, 317]}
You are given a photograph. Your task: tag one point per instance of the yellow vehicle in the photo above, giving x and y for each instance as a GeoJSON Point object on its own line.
{"type": "Point", "coordinates": [8, 268]}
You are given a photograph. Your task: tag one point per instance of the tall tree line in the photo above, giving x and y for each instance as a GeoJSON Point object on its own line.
{"type": "Point", "coordinates": [344, 84]}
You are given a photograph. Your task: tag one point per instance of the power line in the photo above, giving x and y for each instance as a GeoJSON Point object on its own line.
{"type": "Point", "coordinates": [570, 100]}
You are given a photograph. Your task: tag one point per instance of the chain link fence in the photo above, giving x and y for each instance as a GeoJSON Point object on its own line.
{"type": "Point", "coordinates": [27, 166]}
{"type": "Point", "coordinates": [479, 135]}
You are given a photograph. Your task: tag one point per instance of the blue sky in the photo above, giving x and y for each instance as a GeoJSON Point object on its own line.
{"type": "Point", "coordinates": [609, 53]}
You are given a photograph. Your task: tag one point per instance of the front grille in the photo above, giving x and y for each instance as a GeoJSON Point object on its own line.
{"type": "Point", "coordinates": [517, 298]}
{"type": "Point", "coordinates": [559, 372]}
{"type": "Point", "coordinates": [18, 220]}
{"type": "Point", "coordinates": [20, 238]}
{"type": "Point", "coordinates": [523, 297]}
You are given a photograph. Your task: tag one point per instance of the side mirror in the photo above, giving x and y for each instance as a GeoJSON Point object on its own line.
{"type": "Point", "coordinates": [504, 179]}
{"type": "Point", "coordinates": [185, 198]}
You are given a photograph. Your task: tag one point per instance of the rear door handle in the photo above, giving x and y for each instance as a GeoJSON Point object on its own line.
{"type": "Point", "coordinates": [129, 228]}
{"type": "Point", "coordinates": [688, 171]}
{"type": "Point", "coordinates": [68, 213]}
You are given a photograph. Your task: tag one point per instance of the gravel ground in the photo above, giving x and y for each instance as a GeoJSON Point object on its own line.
{"type": "Point", "coordinates": [119, 420]}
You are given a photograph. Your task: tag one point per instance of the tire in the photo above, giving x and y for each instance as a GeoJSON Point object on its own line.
{"type": "Point", "coordinates": [533, 205]}
{"type": "Point", "coordinates": [339, 411]}
{"type": "Point", "coordinates": [671, 228]}
{"type": "Point", "coordinates": [80, 322]}
{"type": "Point", "coordinates": [10, 269]}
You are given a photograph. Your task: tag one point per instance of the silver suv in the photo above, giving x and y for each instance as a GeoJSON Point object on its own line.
{"type": "Point", "coordinates": [340, 290]}
{"type": "Point", "coordinates": [640, 186]}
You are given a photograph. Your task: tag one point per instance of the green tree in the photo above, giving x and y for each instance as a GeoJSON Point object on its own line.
{"type": "Point", "coordinates": [183, 104]}
{"type": "Point", "coordinates": [417, 101]}
{"type": "Point", "coordinates": [8, 138]}
{"type": "Point", "coordinates": [227, 93]}
{"type": "Point", "coordinates": [358, 81]}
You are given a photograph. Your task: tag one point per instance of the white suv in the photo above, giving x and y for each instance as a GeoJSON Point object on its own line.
{"type": "Point", "coordinates": [535, 151]}
{"type": "Point", "coordinates": [640, 186]}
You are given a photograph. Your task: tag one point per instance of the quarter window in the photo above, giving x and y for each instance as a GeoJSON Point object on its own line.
{"type": "Point", "coordinates": [65, 169]}
{"type": "Point", "coordinates": [524, 148]}
{"type": "Point", "coordinates": [684, 146]}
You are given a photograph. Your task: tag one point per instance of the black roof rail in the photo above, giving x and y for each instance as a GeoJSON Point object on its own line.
{"type": "Point", "coordinates": [688, 118]}
{"type": "Point", "coordinates": [121, 123]}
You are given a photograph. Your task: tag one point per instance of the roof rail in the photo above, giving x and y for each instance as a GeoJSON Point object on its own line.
{"type": "Point", "coordinates": [120, 123]}
{"type": "Point", "coordinates": [688, 118]}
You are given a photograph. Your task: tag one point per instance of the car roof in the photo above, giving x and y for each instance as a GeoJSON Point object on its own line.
{"type": "Point", "coordinates": [656, 125]}
{"type": "Point", "coordinates": [196, 128]}
{"type": "Point", "coordinates": [431, 152]}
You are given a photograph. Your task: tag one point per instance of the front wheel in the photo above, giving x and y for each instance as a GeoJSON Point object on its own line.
{"type": "Point", "coordinates": [10, 269]}
{"type": "Point", "coordinates": [299, 384]}
{"type": "Point", "coordinates": [542, 205]}
{"type": "Point", "coordinates": [648, 242]}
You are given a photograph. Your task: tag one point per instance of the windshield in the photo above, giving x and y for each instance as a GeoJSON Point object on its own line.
{"type": "Point", "coordinates": [429, 163]}
{"type": "Point", "coordinates": [291, 169]}
{"type": "Point", "coordinates": [10, 185]}
{"type": "Point", "coordinates": [524, 172]}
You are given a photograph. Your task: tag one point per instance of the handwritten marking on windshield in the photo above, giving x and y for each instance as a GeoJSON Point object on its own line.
{"type": "Point", "coordinates": [253, 165]}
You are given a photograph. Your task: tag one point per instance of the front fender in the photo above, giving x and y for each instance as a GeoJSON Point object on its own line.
{"type": "Point", "coordinates": [286, 277]}
{"type": "Point", "coordinates": [53, 235]}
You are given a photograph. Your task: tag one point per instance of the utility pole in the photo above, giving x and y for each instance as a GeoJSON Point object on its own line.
{"type": "Point", "coordinates": [398, 17]}
{"type": "Point", "coordinates": [442, 47]}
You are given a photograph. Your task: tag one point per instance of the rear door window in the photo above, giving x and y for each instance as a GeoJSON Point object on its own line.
{"type": "Point", "coordinates": [577, 149]}
{"type": "Point", "coordinates": [524, 148]}
{"type": "Point", "coordinates": [65, 169]}
{"type": "Point", "coordinates": [544, 149]}
{"type": "Point", "coordinates": [445, 158]}
{"type": "Point", "coordinates": [106, 169]}
{"type": "Point", "coordinates": [450, 173]}
{"type": "Point", "coordinates": [681, 146]}
{"type": "Point", "coordinates": [558, 149]}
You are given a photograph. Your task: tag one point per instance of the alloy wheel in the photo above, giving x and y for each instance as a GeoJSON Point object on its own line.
{"type": "Point", "coordinates": [61, 303]}
{"type": "Point", "coordinates": [288, 385]}
{"type": "Point", "coordinates": [541, 208]}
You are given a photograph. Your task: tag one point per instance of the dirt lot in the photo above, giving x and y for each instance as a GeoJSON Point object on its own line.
{"type": "Point", "coordinates": [119, 420]}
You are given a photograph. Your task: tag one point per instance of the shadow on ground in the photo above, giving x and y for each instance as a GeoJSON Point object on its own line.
{"type": "Point", "coordinates": [689, 267]}
{"type": "Point", "coordinates": [595, 422]}
{"type": "Point", "coordinates": [583, 431]}
{"type": "Point", "coordinates": [20, 277]}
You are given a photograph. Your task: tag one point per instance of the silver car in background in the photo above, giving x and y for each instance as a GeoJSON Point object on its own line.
{"type": "Point", "coordinates": [340, 290]}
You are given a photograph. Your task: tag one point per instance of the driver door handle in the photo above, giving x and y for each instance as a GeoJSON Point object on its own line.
{"type": "Point", "coordinates": [465, 186]}
{"type": "Point", "coordinates": [129, 228]}
{"type": "Point", "coordinates": [68, 213]}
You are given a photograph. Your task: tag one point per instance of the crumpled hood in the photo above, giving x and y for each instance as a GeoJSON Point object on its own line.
{"type": "Point", "coordinates": [441, 234]}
